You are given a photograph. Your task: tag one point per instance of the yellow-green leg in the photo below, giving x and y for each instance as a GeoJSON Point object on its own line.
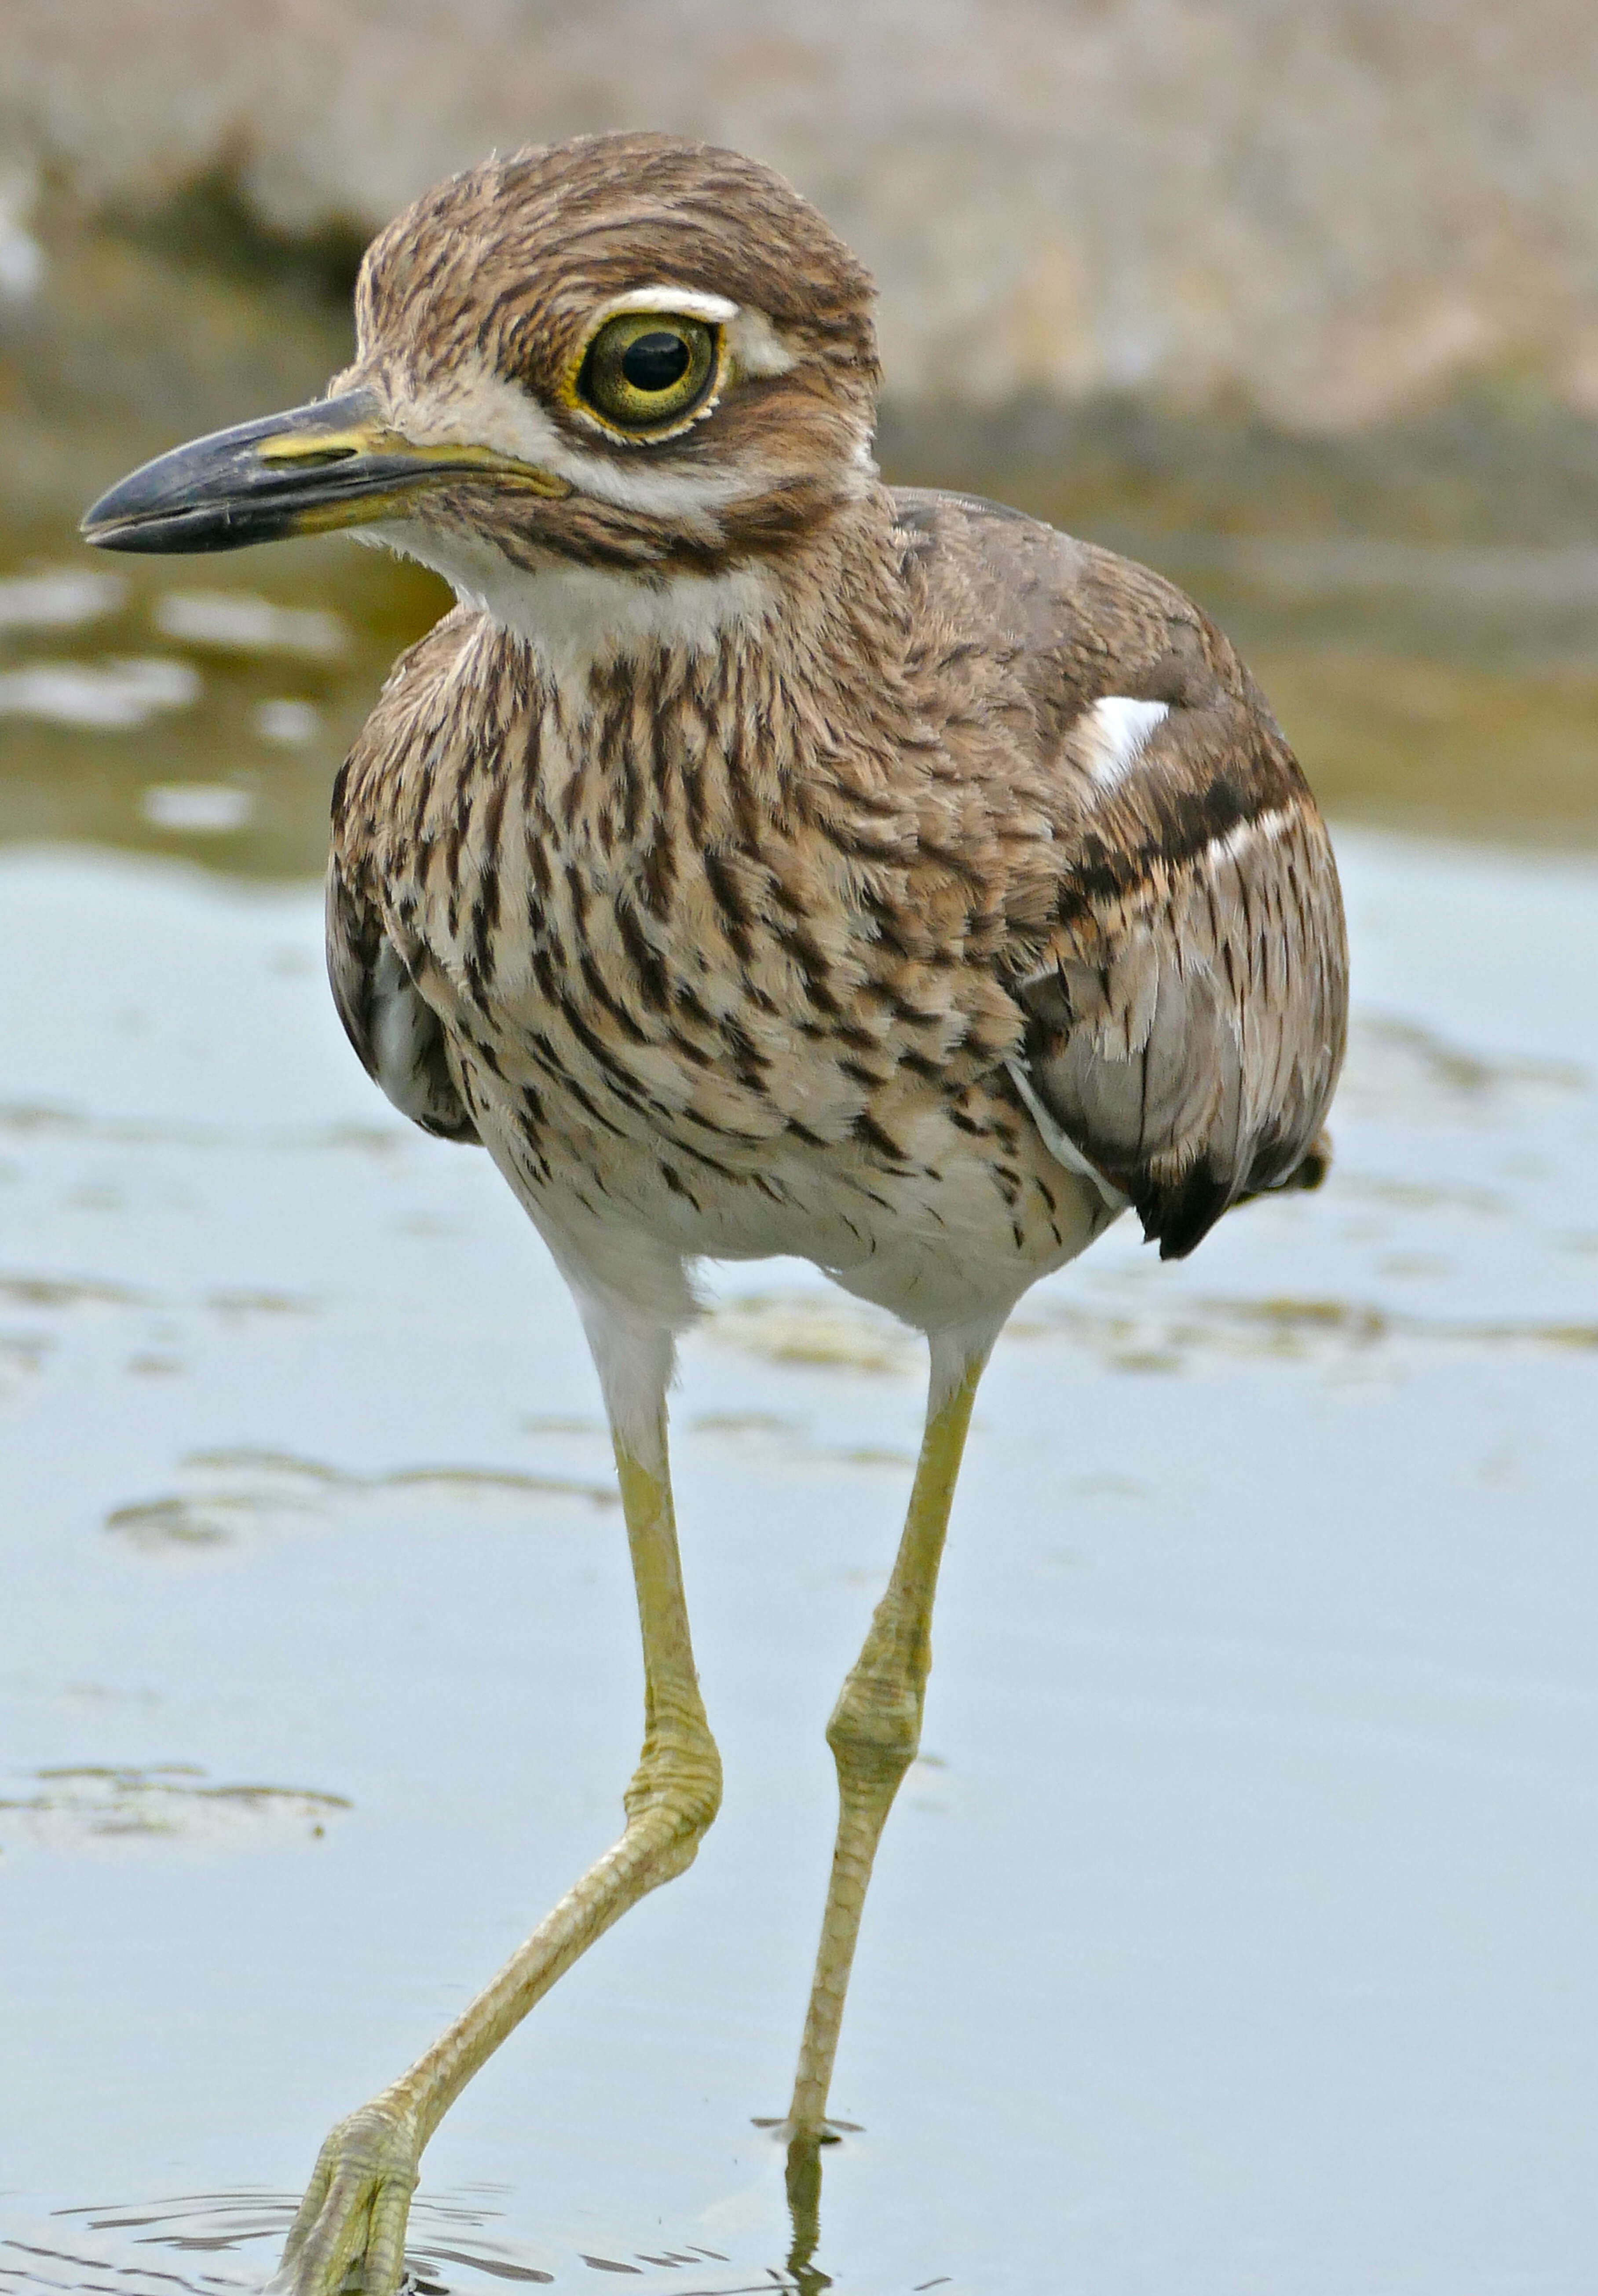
{"type": "Point", "coordinates": [874, 1732]}
{"type": "Point", "coordinates": [359, 2196]}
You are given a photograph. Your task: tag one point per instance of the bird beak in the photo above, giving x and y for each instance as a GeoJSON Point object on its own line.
{"type": "Point", "coordinates": [336, 463]}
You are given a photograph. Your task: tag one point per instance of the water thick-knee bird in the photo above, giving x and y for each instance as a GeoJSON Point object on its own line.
{"type": "Point", "coordinates": [759, 859]}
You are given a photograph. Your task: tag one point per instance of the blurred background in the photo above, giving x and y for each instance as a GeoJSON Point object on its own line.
{"type": "Point", "coordinates": [1235, 1937]}
{"type": "Point", "coordinates": [1300, 302]}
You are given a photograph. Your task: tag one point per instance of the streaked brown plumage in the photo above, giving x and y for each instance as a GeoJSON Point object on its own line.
{"type": "Point", "coordinates": [760, 860]}
{"type": "Point", "coordinates": [896, 890]}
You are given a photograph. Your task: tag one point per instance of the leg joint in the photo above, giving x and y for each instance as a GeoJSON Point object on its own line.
{"type": "Point", "coordinates": [678, 1778]}
{"type": "Point", "coordinates": [875, 1728]}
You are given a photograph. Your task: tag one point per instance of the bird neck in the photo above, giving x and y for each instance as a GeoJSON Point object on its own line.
{"type": "Point", "coordinates": [828, 607]}
{"type": "Point", "coordinates": [798, 691]}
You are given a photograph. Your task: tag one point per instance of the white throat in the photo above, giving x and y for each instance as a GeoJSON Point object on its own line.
{"type": "Point", "coordinates": [578, 617]}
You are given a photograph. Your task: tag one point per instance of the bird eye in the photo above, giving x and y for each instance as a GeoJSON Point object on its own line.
{"type": "Point", "coordinates": [644, 370]}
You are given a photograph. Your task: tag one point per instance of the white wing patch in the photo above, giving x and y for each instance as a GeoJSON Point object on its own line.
{"type": "Point", "coordinates": [1265, 829]}
{"type": "Point", "coordinates": [1115, 732]}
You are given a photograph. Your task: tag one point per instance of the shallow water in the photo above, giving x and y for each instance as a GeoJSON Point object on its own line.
{"type": "Point", "coordinates": [1235, 1933]}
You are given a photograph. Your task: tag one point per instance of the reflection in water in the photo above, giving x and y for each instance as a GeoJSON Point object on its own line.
{"type": "Point", "coordinates": [802, 2184]}
{"type": "Point", "coordinates": [802, 2179]}
{"type": "Point", "coordinates": [450, 2250]}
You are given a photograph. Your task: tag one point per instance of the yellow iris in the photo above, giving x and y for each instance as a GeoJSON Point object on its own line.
{"type": "Point", "coordinates": [646, 370]}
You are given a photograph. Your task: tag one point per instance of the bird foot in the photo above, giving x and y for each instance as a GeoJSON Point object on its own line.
{"type": "Point", "coordinates": [349, 2231]}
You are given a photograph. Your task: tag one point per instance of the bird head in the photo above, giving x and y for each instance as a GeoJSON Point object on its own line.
{"type": "Point", "coordinates": [627, 358]}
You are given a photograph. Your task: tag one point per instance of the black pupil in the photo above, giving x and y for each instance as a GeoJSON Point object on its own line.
{"type": "Point", "coordinates": [655, 361]}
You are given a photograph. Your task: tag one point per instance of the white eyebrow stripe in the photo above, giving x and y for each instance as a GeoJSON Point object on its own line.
{"type": "Point", "coordinates": [1115, 732]}
{"type": "Point", "coordinates": [691, 301]}
{"type": "Point", "coordinates": [755, 344]}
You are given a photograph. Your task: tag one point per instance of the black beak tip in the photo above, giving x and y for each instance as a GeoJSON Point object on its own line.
{"type": "Point", "coordinates": [114, 522]}
{"type": "Point", "coordinates": [156, 512]}
{"type": "Point", "coordinates": [103, 533]}
{"type": "Point", "coordinates": [95, 524]}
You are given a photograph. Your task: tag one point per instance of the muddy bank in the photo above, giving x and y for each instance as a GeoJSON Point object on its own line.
{"type": "Point", "coordinates": [1330, 214]}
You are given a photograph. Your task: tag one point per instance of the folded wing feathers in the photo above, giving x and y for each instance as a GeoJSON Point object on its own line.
{"type": "Point", "coordinates": [396, 1034]}
{"type": "Point", "coordinates": [1187, 1033]}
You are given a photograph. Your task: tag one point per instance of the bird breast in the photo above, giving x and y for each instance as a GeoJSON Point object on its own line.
{"type": "Point", "coordinates": [675, 969]}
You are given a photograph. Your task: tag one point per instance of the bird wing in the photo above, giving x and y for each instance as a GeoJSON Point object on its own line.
{"type": "Point", "coordinates": [397, 1036]}
{"type": "Point", "coordinates": [1185, 1005]}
